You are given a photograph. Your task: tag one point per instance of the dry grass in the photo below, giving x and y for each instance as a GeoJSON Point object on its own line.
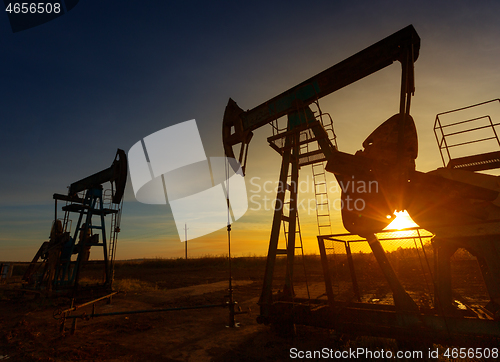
{"type": "Point", "coordinates": [133, 285]}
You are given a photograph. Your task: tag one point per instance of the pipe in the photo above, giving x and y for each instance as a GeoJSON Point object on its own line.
{"type": "Point", "coordinates": [58, 313]}
{"type": "Point", "coordinates": [85, 316]}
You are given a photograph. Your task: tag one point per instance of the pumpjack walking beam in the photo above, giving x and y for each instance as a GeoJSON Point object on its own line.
{"type": "Point", "coordinates": [402, 46]}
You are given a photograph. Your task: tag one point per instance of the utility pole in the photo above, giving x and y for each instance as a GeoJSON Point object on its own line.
{"type": "Point", "coordinates": [186, 239]}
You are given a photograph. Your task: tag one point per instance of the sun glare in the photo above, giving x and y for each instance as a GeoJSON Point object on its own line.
{"type": "Point", "coordinates": [402, 221]}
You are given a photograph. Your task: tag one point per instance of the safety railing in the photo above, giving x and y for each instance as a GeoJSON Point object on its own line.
{"type": "Point", "coordinates": [468, 137]}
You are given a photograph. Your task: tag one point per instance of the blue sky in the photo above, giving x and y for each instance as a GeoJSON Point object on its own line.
{"type": "Point", "coordinates": [109, 73]}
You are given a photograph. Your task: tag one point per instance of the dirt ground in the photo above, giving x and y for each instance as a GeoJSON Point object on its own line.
{"type": "Point", "coordinates": [28, 331]}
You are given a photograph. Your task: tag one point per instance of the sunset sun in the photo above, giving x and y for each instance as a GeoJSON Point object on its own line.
{"type": "Point", "coordinates": [402, 221]}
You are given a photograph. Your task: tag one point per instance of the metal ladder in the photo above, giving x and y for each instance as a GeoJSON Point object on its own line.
{"type": "Point", "coordinates": [67, 271]}
{"type": "Point", "coordinates": [310, 154]}
{"type": "Point", "coordinates": [320, 185]}
{"type": "Point", "coordinates": [113, 238]}
{"type": "Point", "coordinates": [299, 146]}
{"type": "Point", "coordinates": [322, 201]}
{"type": "Point", "coordinates": [298, 246]}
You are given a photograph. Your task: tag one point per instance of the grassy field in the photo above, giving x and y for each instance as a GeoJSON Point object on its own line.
{"type": "Point", "coordinates": [29, 333]}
